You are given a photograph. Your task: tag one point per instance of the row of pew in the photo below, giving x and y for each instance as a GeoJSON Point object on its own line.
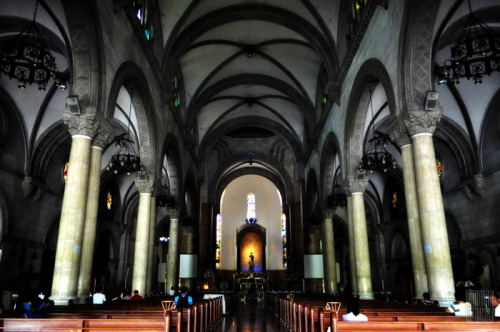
{"type": "Point", "coordinates": [309, 314]}
{"type": "Point", "coordinates": [147, 315]}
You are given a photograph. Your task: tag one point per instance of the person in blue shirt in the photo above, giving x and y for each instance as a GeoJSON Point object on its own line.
{"type": "Point", "coordinates": [183, 300]}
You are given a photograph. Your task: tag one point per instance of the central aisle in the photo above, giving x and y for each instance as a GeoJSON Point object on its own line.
{"type": "Point", "coordinates": [249, 317]}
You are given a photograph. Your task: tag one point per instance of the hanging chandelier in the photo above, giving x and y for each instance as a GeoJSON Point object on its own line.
{"type": "Point", "coordinates": [27, 59]}
{"type": "Point", "coordinates": [475, 53]}
{"type": "Point", "coordinates": [125, 160]}
{"type": "Point", "coordinates": [336, 199]}
{"type": "Point", "coordinates": [165, 199]}
{"type": "Point", "coordinates": [377, 158]}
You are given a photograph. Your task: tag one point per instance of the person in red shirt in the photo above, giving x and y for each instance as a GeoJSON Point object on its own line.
{"type": "Point", "coordinates": [136, 296]}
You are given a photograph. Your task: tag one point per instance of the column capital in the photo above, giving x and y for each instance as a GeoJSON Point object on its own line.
{"type": "Point", "coordinates": [328, 213]}
{"type": "Point", "coordinates": [400, 135]}
{"type": "Point", "coordinates": [104, 134]}
{"type": "Point", "coordinates": [356, 185]}
{"type": "Point", "coordinates": [174, 214]}
{"type": "Point", "coordinates": [145, 187]}
{"type": "Point", "coordinates": [85, 123]}
{"type": "Point", "coordinates": [420, 121]}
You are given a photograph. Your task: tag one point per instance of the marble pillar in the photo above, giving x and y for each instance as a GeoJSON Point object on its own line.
{"type": "Point", "coordinates": [421, 125]}
{"type": "Point", "coordinates": [352, 255]}
{"type": "Point", "coordinates": [69, 242]}
{"type": "Point", "coordinates": [360, 233]}
{"type": "Point", "coordinates": [329, 252]}
{"type": "Point", "coordinates": [146, 188]}
{"type": "Point", "coordinates": [173, 251]}
{"type": "Point", "coordinates": [150, 278]}
{"type": "Point", "coordinates": [400, 136]}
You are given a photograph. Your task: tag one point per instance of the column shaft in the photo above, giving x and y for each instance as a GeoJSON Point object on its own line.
{"type": "Point", "coordinates": [362, 251]}
{"type": "Point", "coordinates": [173, 254]}
{"type": "Point", "coordinates": [84, 278]}
{"type": "Point", "coordinates": [433, 221]}
{"type": "Point", "coordinates": [417, 252]}
{"type": "Point", "coordinates": [69, 241]}
{"type": "Point", "coordinates": [329, 254]}
{"type": "Point", "coordinates": [141, 243]}
{"type": "Point", "coordinates": [150, 279]}
{"type": "Point", "coordinates": [352, 253]}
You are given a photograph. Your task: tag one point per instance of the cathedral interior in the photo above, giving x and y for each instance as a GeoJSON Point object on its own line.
{"type": "Point", "coordinates": [332, 146]}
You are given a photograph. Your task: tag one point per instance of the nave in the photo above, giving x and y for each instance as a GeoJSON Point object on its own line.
{"type": "Point", "coordinates": [250, 317]}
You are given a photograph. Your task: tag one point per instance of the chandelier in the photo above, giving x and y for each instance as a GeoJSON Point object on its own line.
{"type": "Point", "coordinates": [165, 199]}
{"type": "Point", "coordinates": [475, 53]}
{"type": "Point", "coordinates": [125, 160]}
{"type": "Point", "coordinates": [377, 157]}
{"type": "Point", "coordinates": [336, 199]}
{"type": "Point", "coordinates": [27, 59]}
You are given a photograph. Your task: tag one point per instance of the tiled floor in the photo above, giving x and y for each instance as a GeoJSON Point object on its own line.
{"type": "Point", "coordinates": [250, 317]}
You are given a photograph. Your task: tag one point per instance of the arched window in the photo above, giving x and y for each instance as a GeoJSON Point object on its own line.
{"type": "Point", "coordinates": [251, 216]}
{"type": "Point", "coordinates": [357, 7]}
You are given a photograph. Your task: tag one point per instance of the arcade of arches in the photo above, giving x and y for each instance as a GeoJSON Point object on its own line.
{"type": "Point", "coordinates": [252, 117]}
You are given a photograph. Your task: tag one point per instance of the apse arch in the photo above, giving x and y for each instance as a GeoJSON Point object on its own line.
{"type": "Point", "coordinates": [370, 73]}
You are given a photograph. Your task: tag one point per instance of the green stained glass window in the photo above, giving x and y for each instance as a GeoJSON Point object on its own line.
{"type": "Point", "coordinates": [439, 166]}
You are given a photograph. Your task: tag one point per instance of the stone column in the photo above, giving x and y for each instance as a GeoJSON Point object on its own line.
{"type": "Point", "coordinates": [69, 241]}
{"type": "Point", "coordinates": [400, 136]}
{"type": "Point", "coordinates": [361, 248]}
{"type": "Point", "coordinates": [421, 125]}
{"type": "Point", "coordinates": [352, 254]}
{"type": "Point", "coordinates": [173, 251]}
{"type": "Point", "coordinates": [329, 252]}
{"type": "Point", "coordinates": [142, 235]}
{"type": "Point", "coordinates": [102, 139]}
{"type": "Point", "coordinates": [150, 278]}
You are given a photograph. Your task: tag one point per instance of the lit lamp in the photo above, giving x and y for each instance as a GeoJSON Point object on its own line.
{"type": "Point", "coordinates": [475, 53]}
{"type": "Point", "coordinates": [27, 59]}
{"type": "Point", "coordinates": [336, 199]}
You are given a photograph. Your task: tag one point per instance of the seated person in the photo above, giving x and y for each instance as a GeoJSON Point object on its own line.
{"type": "Point", "coordinates": [136, 296]}
{"type": "Point", "coordinates": [460, 308]}
{"type": "Point", "coordinates": [183, 300]}
{"type": "Point", "coordinates": [427, 300]}
{"type": "Point", "coordinates": [353, 314]}
{"type": "Point", "coordinates": [33, 308]}
{"type": "Point", "coordinates": [495, 302]}
{"type": "Point", "coordinates": [98, 297]}
{"type": "Point", "coordinates": [126, 295]}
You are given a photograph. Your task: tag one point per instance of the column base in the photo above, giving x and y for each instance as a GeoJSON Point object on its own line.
{"type": "Point", "coordinates": [82, 298]}
{"type": "Point", "coordinates": [367, 296]}
{"type": "Point", "coordinates": [444, 302]}
{"type": "Point", "coordinates": [63, 300]}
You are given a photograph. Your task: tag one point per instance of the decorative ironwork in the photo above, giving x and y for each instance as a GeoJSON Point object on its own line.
{"type": "Point", "coordinates": [377, 157]}
{"type": "Point", "coordinates": [27, 59]}
{"type": "Point", "coordinates": [475, 53]}
{"type": "Point", "coordinates": [165, 199]}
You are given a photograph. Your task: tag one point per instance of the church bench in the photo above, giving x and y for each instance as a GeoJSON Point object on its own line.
{"type": "Point", "coordinates": [80, 325]}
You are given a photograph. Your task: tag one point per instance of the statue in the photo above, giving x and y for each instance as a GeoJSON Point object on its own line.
{"type": "Point", "coordinates": [250, 262]}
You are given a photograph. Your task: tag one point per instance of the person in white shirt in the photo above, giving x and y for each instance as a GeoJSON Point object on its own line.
{"type": "Point", "coordinates": [171, 292]}
{"type": "Point", "coordinates": [99, 297]}
{"type": "Point", "coordinates": [460, 308]}
{"type": "Point", "coordinates": [353, 314]}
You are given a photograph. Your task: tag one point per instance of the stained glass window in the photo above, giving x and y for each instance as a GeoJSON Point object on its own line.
{"type": "Point", "coordinates": [218, 244]}
{"type": "Point", "coordinates": [65, 172]}
{"type": "Point", "coordinates": [439, 168]}
{"type": "Point", "coordinates": [394, 199]}
{"type": "Point", "coordinates": [176, 97]}
{"type": "Point", "coordinates": [283, 233]}
{"type": "Point", "coordinates": [141, 12]}
{"type": "Point", "coordinates": [109, 200]}
{"type": "Point", "coordinates": [357, 7]}
{"type": "Point", "coordinates": [218, 236]}
{"type": "Point", "coordinates": [251, 216]}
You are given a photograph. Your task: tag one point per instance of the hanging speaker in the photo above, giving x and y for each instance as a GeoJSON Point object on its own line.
{"type": "Point", "coordinates": [432, 101]}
